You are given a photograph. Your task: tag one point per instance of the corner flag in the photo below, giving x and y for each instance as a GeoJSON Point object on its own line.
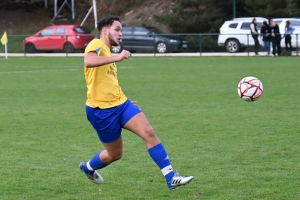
{"type": "Point", "coordinates": [4, 39]}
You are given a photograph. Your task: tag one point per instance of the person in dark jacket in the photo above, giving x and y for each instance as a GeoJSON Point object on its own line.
{"type": "Point", "coordinates": [265, 34]}
{"type": "Point", "coordinates": [275, 38]}
{"type": "Point", "coordinates": [254, 33]}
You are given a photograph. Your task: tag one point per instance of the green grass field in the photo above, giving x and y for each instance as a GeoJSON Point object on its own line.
{"type": "Point", "coordinates": [236, 150]}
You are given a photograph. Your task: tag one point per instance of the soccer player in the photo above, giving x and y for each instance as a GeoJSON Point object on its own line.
{"type": "Point", "coordinates": [108, 109]}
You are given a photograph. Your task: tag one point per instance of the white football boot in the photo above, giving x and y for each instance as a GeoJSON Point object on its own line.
{"type": "Point", "coordinates": [178, 180]}
{"type": "Point", "coordinates": [95, 177]}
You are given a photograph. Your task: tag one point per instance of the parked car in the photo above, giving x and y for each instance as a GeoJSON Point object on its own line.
{"type": "Point", "coordinates": [235, 34]}
{"type": "Point", "coordinates": [295, 22]}
{"type": "Point", "coordinates": [59, 37]}
{"type": "Point", "coordinates": [137, 38]}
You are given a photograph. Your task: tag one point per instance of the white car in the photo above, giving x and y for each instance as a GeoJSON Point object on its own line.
{"type": "Point", "coordinates": [235, 34]}
{"type": "Point", "coordinates": [295, 22]}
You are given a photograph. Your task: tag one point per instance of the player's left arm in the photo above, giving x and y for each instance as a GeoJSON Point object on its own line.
{"type": "Point", "coordinates": [91, 59]}
{"type": "Point", "coordinates": [293, 29]}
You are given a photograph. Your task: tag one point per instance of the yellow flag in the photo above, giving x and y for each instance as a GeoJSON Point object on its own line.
{"type": "Point", "coordinates": [4, 39]}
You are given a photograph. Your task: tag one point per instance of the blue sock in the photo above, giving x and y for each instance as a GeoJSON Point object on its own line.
{"type": "Point", "coordinates": [161, 158]}
{"type": "Point", "coordinates": [94, 164]}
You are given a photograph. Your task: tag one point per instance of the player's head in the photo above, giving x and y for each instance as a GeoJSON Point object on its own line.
{"type": "Point", "coordinates": [110, 30]}
{"type": "Point", "coordinates": [270, 22]}
{"type": "Point", "coordinates": [265, 23]}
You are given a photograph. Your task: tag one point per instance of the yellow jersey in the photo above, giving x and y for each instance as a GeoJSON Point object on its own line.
{"type": "Point", "coordinates": [102, 83]}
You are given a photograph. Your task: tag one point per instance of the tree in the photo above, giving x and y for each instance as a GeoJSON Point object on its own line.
{"type": "Point", "coordinates": [104, 8]}
{"type": "Point", "coordinates": [203, 16]}
{"type": "Point", "coordinates": [107, 7]}
{"type": "Point", "coordinates": [273, 8]}
{"type": "Point", "coordinates": [198, 16]}
{"type": "Point", "coordinates": [292, 8]}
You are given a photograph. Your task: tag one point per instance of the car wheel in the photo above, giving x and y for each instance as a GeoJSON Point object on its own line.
{"type": "Point", "coordinates": [232, 46]}
{"type": "Point", "coordinates": [30, 48]}
{"type": "Point", "coordinates": [116, 49]}
{"type": "Point", "coordinates": [68, 48]}
{"type": "Point", "coordinates": [161, 47]}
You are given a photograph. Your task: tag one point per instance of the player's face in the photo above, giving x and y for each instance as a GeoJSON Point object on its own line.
{"type": "Point", "coordinates": [115, 33]}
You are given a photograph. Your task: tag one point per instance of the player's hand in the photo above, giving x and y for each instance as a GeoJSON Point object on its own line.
{"type": "Point", "coordinates": [134, 103]}
{"type": "Point", "coordinates": [124, 54]}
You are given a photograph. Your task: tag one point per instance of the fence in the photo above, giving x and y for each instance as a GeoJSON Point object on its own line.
{"type": "Point", "coordinates": [187, 43]}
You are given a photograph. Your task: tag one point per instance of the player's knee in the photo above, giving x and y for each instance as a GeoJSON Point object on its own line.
{"type": "Point", "coordinates": [149, 135]}
{"type": "Point", "coordinates": [116, 156]}
{"type": "Point", "coordinates": [149, 131]}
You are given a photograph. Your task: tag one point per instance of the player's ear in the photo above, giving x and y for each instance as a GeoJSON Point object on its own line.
{"type": "Point", "coordinates": [105, 30]}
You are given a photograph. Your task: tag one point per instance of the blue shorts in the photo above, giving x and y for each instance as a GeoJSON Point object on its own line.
{"type": "Point", "coordinates": [109, 122]}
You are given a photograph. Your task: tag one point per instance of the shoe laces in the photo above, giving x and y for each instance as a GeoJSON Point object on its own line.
{"type": "Point", "coordinates": [177, 175]}
{"type": "Point", "coordinates": [95, 175]}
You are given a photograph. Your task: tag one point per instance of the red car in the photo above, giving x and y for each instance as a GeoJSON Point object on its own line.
{"type": "Point", "coordinates": [59, 37]}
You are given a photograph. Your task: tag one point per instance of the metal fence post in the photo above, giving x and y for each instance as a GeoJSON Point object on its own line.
{"type": "Point", "coordinates": [67, 51]}
{"type": "Point", "coordinates": [248, 43]}
{"type": "Point", "coordinates": [297, 43]}
{"type": "Point", "coordinates": [24, 47]}
{"type": "Point", "coordinates": [154, 45]}
{"type": "Point", "coordinates": [200, 44]}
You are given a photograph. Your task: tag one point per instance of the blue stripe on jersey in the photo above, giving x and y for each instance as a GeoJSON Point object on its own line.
{"type": "Point", "coordinates": [97, 50]}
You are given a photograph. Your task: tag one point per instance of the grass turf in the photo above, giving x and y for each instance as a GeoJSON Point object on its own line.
{"type": "Point", "coordinates": [235, 149]}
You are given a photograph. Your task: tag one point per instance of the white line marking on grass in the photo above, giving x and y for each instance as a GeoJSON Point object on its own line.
{"type": "Point", "coordinates": [31, 66]}
{"type": "Point", "coordinates": [24, 72]}
{"type": "Point", "coordinates": [125, 67]}
{"type": "Point", "coordinates": [17, 66]}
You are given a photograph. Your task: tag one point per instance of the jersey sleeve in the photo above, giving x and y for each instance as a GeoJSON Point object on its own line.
{"type": "Point", "coordinates": [93, 46]}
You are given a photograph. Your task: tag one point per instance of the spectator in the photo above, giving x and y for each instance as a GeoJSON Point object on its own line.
{"type": "Point", "coordinates": [270, 37]}
{"type": "Point", "coordinates": [275, 39]}
{"type": "Point", "coordinates": [254, 33]}
{"type": "Point", "coordinates": [265, 34]}
{"type": "Point", "coordinates": [288, 31]}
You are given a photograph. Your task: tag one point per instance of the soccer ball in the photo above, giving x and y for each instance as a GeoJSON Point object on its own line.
{"type": "Point", "coordinates": [250, 88]}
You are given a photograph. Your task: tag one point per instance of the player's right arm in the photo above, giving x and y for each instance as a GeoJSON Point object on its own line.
{"type": "Point", "coordinates": [91, 59]}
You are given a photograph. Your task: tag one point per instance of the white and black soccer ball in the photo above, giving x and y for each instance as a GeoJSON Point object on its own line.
{"type": "Point", "coordinates": [250, 88]}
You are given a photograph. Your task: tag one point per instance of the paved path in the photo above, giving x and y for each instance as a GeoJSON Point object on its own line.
{"type": "Point", "coordinates": [137, 54]}
{"type": "Point", "coordinates": [134, 54]}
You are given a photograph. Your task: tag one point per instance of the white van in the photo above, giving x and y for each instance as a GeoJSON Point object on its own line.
{"type": "Point", "coordinates": [235, 34]}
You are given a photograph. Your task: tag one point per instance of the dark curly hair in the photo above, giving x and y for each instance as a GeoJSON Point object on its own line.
{"type": "Point", "coordinates": [107, 22]}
